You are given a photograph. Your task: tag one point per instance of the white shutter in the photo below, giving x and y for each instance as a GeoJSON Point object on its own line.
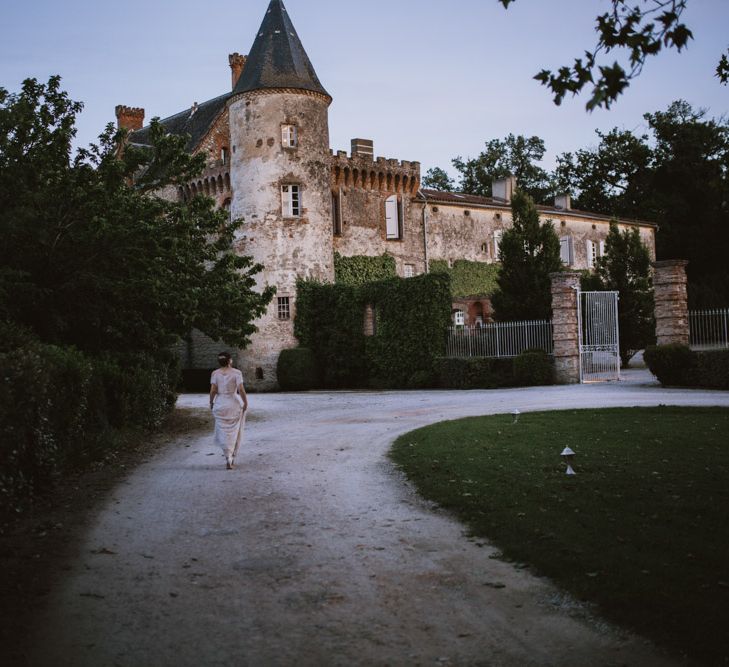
{"type": "Point", "coordinates": [566, 251]}
{"type": "Point", "coordinates": [590, 261]}
{"type": "Point", "coordinates": [602, 248]}
{"type": "Point", "coordinates": [391, 217]}
{"type": "Point", "coordinates": [497, 242]}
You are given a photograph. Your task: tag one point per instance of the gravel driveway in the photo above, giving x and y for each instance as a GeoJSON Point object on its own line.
{"type": "Point", "coordinates": [314, 550]}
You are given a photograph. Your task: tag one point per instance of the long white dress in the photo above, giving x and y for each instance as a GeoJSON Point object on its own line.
{"type": "Point", "coordinates": [228, 411]}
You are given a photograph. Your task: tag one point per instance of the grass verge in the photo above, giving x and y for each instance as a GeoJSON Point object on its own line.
{"type": "Point", "coordinates": [641, 530]}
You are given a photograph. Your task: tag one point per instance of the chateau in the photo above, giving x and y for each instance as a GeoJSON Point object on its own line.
{"type": "Point", "coordinates": [270, 164]}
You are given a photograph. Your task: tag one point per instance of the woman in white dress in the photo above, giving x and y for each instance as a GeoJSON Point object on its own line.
{"type": "Point", "coordinates": [229, 403]}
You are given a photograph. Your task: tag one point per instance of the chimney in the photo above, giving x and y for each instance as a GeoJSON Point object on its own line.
{"type": "Point", "coordinates": [563, 201]}
{"type": "Point", "coordinates": [193, 109]}
{"type": "Point", "coordinates": [237, 63]}
{"type": "Point", "coordinates": [503, 188]}
{"type": "Point", "coordinates": [129, 118]}
{"type": "Point", "coordinates": [363, 148]}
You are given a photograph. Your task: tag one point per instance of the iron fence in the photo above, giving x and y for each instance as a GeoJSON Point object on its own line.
{"type": "Point", "coordinates": [709, 329]}
{"type": "Point", "coordinates": [499, 339]}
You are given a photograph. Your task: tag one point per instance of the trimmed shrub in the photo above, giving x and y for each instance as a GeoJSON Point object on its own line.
{"type": "Point", "coordinates": [533, 368]}
{"type": "Point", "coordinates": [296, 369]}
{"type": "Point", "coordinates": [712, 369]}
{"type": "Point", "coordinates": [672, 364]}
{"type": "Point", "coordinates": [474, 372]}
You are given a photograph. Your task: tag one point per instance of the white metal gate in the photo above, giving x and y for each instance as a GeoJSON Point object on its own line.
{"type": "Point", "coordinates": [599, 343]}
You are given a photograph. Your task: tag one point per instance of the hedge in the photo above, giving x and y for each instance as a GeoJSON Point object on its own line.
{"type": "Point", "coordinates": [60, 407]}
{"type": "Point", "coordinates": [530, 368]}
{"type": "Point", "coordinates": [468, 278]}
{"type": "Point", "coordinates": [296, 369]}
{"type": "Point", "coordinates": [411, 320]}
{"type": "Point", "coordinates": [677, 365]}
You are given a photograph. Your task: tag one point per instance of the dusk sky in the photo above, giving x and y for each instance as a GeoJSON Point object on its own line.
{"type": "Point", "coordinates": [425, 80]}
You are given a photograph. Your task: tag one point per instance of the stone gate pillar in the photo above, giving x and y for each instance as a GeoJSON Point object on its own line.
{"type": "Point", "coordinates": [669, 287]}
{"type": "Point", "coordinates": [565, 324]}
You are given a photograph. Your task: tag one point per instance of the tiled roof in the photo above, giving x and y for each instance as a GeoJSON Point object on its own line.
{"type": "Point", "coordinates": [277, 58]}
{"type": "Point", "coordinates": [195, 124]}
{"type": "Point", "coordinates": [476, 200]}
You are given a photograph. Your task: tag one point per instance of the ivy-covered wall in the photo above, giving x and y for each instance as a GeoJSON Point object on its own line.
{"type": "Point", "coordinates": [362, 269]}
{"type": "Point", "coordinates": [468, 278]}
{"type": "Point", "coordinates": [411, 319]}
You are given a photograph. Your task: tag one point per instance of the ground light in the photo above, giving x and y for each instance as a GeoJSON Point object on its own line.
{"type": "Point", "coordinates": [515, 416]}
{"type": "Point", "coordinates": [568, 455]}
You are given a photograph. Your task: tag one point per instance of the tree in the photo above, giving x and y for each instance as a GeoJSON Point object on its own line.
{"type": "Point", "coordinates": [529, 252]}
{"type": "Point", "coordinates": [513, 156]}
{"type": "Point", "coordinates": [437, 179]}
{"type": "Point", "coordinates": [625, 268]}
{"type": "Point", "coordinates": [611, 178]}
{"type": "Point", "coordinates": [91, 256]}
{"type": "Point", "coordinates": [643, 30]}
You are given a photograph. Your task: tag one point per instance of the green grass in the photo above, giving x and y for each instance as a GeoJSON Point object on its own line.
{"type": "Point", "coordinates": [642, 529]}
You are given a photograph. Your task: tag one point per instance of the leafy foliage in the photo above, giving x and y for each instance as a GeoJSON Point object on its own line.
{"type": "Point", "coordinates": [641, 30]}
{"type": "Point", "coordinates": [361, 269]}
{"type": "Point", "coordinates": [91, 259]}
{"type": "Point", "coordinates": [625, 268]}
{"type": "Point", "coordinates": [411, 317]}
{"type": "Point", "coordinates": [437, 179]}
{"type": "Point", "coordinates": [529, 252]}
{"type": "Point", "coordinates": [468, 278]}
{"type": "Point", "coordinates": [677, 365]}
{"type": "Point", "coordinates": [296, 369]}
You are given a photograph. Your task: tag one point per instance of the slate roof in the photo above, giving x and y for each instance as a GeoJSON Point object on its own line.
{"type": "Point", "coordinates": [476, 200]}
{"type": "Point", "coordinates": [196, 124]}
{"type": "Point", "coordinates": [277, 58]}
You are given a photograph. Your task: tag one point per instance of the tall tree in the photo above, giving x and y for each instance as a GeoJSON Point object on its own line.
{"type": "Point", "coordinates": [642, 29]}
{"type": "Point", "coordinates": [91, 256]}
{"type": "Point", "coordinates": [625, 268]}
{"type": "Point", "coordinates": [514, 155]}
{"type": "Point", "coordinates": [529, 252]}
{"type": "Point", "coordinates": [438, 179]}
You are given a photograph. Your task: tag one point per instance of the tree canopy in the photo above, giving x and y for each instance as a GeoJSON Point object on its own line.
{"type": "Point", "coordinates": [641, 30]}
{"type": "Point", "coordinates": [529, 252]}
{"type": "Point", "coordinates": [91, 256]}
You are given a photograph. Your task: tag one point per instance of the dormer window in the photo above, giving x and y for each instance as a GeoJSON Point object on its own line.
{"type": "Point", "coordinates": [289, 136]}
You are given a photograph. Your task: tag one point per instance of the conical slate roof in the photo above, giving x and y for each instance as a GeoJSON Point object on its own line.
{"type": "Point", "coordinates": [277, 59]}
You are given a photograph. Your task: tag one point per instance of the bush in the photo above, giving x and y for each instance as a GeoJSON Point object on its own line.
{"type": "Point", "coordinates": [296, 370]}
{"type": "Point", "coordinates": [672, 364]}
{"type": "Point", "coordinates": [712, 369]}
{"type": "Point", "coordinates": [533, 368]}
{"type": "Point", "coordinates": [474, 372]}
{"type": "Point", "coordinates": [421, 380]}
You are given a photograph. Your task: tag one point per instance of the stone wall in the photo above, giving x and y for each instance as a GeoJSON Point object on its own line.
{"type": "Point", "coordinates": [671, 302]}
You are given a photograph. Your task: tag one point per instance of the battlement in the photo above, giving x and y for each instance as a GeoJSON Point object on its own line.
{"type": "Point", "coordinates": [129, 118]}
{"type": "Point", "coordinates": [362, 170]}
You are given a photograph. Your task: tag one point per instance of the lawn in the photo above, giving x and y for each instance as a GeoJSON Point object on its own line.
{"type": "Point", "coordinates": [642, 530]}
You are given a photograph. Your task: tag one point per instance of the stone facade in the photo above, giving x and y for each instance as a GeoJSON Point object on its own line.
{"type": "Point", "coordinates": [355, 204]}
{"type": "Point", "coordinates": [565, 327]}
{"type": "Point", "coordinates": [671, 303]}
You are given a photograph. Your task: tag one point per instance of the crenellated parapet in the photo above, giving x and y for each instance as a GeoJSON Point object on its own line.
{"type": "Point", "coordinates": [362, 171]}
{"type": "Point", "coordinates": [213, 182]}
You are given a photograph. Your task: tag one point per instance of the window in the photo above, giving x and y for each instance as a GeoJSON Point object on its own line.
{"type": "Point", "coordinates": [224, 154]}
{"type": "Point", "coordinates": [602, 248]}
{"type": "Point", "coordinates": [566, 252]}
{"type": "Point", "coordinates": [284, 308]}
{"type": "Point", "coordinates": [409, 270]}
{"type": "Point", "coordinates": [337, 212]}
{"type": "Point", "coordinates": [393, 217]}
{"type": "Point", "coordinates": [290, 201]}
{"type": "Point", "coordinates": [289, 136]}
{"type": "Point", "coordinates": [459, 318]}
{"type": "Point", "coordinates": [497, 242]}
{"type": "Point", "coordinates": [592, 255]}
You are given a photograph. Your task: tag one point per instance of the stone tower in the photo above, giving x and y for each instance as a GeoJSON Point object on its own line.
{"type": "Point", "coordinates": [279, 172]}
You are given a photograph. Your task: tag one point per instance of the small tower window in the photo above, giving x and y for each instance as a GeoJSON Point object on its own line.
{"type": "Point", "coordinates": [337, 212]}
{"type": "Point", "coordinates": [284, 308]}
{"type": "Point", "coordinates": [289, 136]}
{"type": "Point", "coordinates": [224, 154]}
{"type": "Point", "coordinates": [290, 201]}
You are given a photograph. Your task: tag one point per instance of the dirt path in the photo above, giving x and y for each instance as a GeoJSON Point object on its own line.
{"type": "Point", "coordinates": [314, 551]}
